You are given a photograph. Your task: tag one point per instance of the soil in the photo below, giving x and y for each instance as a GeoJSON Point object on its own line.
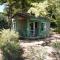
{"type": "Point", "coordinates": [28, 45]}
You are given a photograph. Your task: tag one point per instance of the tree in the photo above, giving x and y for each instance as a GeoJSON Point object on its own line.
{"type": "Point", "coordinates": [3, 21]}
{"type": "Point", "coordinates": [14, 6]}
{"type": "Point", "coordinates": [22, 5]}
{"type": "Point", "coordinates": [42, 7]}
{"type": "Point", "coordinates": [55, 12]}
{"type": "Point", "coordinates": [39, 9]}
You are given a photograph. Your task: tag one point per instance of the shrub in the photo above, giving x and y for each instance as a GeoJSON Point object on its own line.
{"type": "Point", "coordinates": [12, 51]}
{"type": "Point", "coordinates": [9, 44]}
{"type": "Point", "coordinates": [8, 36]}
{"type": "Point", "coordinates": [58, 25]}
{"type": "Point", "coordinates": [56, 45]}
{"type": "Point", "coordinates": [57, 30]}
{"type": "Point", "coordinates": [3, 22]}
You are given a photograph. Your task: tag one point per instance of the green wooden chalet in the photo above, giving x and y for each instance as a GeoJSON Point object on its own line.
{"type": "Point", "coordinates": [30, 26]}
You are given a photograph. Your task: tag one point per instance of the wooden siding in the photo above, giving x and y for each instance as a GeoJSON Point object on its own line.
{"type": "Point", "coordinates": [22, 26]}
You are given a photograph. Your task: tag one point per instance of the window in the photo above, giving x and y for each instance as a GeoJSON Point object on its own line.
{"type": "Point", "coordinates": [13, 24]}
{"type": "Point", "coordinates": [43, 26]}
{"type": "Point", "coordinates": [33, 28]}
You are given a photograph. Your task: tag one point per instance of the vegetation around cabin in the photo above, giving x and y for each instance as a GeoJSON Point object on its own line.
{"type": "Point", "coordinates": [9, 45]}
{"type": "Point", "coordinates": [11, 48]}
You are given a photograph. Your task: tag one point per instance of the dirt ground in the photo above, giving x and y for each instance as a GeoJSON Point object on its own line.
{"type": "Point", "coordinates": [37, 45]}
{"type": "Point", "coordinates": [54, 37]}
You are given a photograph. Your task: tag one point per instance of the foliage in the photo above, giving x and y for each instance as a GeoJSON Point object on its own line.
{"type": "Point", "coordinates": [12, 51]}
{"type": "Point", "coordinates": [3, 21]}
{"type": "Point", "coordinates": [49, 8]}
{"type": "Point", "coordinates": [7, 36]}
{"type": "Point", "coordinates": [53, 8]}
{"type": "Point", "coordinates": [56, 45]}
{"type": "Point", "coordinates": [53, 25]}
{"type": "Point", "coordinates": [14, 6]}
{"type": "Point", "coordinates": [39, 9]}
{"type": "Point", "coordinates": [58, 25]}
{"type": "Point", "coordinates": [57, 30]}
{"type": "Point", "coordinates": [9, 44]}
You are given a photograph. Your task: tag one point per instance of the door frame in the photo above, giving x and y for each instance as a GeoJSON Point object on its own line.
{"type": "Point", "coordinates": [34, 29]}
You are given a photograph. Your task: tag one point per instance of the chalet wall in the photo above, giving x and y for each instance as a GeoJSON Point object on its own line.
{"type": "Point", "coordinates": [22, 26]}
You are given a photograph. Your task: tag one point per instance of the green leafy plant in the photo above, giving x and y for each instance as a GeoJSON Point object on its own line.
{"type": "Point", "coordinates": [9, 44]}
{"type": "Point", "coordinates": [3, 21]}
{"type": "Point", "coordinates": [12, 51]}
{"type": "Point", "coordinates": [56, 45]}
{"type": "Point", "coordinates": [8, 35]}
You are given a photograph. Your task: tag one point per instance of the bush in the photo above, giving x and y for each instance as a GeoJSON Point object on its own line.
{"type": "Point", "coordinates": [8, 36]}
{"type": "Point", "coordinates": [3, 22]}
{"type": "Point", "coordinates": [58, 25]}
{"type": "Point", "coordinates": [9, 44]}
{"type": "Point", "coordinates": [12, 51]}
{"type": "Point", "coordinates": [57, 30]}
{"type": "Point", "coordinates": [56, 45]}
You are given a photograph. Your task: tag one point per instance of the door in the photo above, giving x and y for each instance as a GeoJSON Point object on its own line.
{"type": "Point", "coordinates": [33, 29]}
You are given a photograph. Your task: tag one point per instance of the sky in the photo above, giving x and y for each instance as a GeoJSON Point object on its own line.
{"type": "Point", "coordinates": [1, 8]}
